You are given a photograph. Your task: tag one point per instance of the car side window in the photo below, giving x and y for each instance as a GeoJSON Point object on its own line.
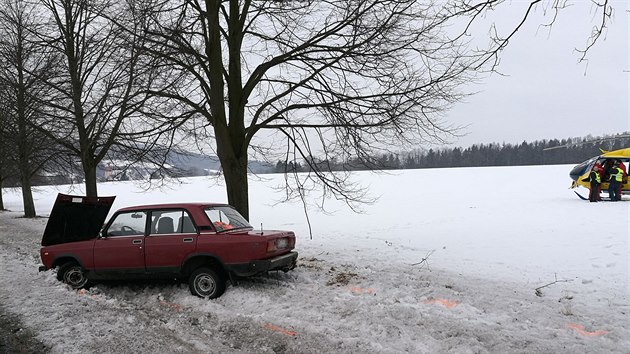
{"type": "Point", "coordinates": [127, 224]}
{"type": "Point", "coordinates": [166, 222]}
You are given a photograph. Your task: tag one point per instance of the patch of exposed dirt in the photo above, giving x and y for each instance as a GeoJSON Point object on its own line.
{"type": "Point", "coordinates": [14, 338]}
{"type": "Point", "coordinates": [340, 278]}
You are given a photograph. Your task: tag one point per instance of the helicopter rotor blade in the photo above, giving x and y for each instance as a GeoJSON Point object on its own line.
{"type": "Point", "coordinates": [621, 136]}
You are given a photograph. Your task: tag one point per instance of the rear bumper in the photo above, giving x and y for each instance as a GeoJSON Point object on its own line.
{"type": "Point", "coordinates": [283, 262]}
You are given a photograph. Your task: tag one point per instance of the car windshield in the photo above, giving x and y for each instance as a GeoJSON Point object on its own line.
{"type": "Point", "coordinates": [226, 218]}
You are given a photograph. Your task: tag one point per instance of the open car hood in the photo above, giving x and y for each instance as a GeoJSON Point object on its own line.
{"type": "Point", "coordinates": [76, 218]}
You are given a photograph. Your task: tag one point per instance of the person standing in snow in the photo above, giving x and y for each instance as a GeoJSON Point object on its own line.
{"type": "Point", "coordinates": [624, 177]}
{"type": "Point", "coordinates": [596, 180]}
{"type": "Point", "coordinates": [614, 189]}
{"type": "Point", "coordinates": [622, 166]}
{"type": "Point", "coordinates": [608, 165]}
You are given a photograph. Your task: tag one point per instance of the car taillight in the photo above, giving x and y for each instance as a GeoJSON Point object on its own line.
{"type": "Point", "coordinates": [277, 244]}
{"type": "Point", "coordinates": [271, 245]}
{"type": "Point", "coordinates": [282, 243]}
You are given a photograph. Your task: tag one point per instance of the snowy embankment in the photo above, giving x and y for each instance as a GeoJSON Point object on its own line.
{"type": "Point", "coordinates": [488, 236]}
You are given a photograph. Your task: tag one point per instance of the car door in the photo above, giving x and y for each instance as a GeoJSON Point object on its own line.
{"type": "Point", "coordinates": [172, 238]}
{"type": "Point", "coordinates": [120, 250]}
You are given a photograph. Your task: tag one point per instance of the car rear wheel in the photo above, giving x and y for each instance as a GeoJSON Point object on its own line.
{"type": "Point", "coordinates": [206, 283]}
{"type": "Point", "coordinates": [73, 275]}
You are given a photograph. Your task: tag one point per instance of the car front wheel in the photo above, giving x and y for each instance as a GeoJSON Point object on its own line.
{"type": "Point", "coordinates": [73, 275]}
{"type": "Point", "coordinates": [206, 283]}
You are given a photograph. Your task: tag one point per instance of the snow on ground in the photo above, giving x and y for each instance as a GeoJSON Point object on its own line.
{"type": "Point", "coordinates": [491, 236]}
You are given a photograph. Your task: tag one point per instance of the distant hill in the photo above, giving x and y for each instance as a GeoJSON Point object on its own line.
{"type": "Point", "coordinates": [197, 163]}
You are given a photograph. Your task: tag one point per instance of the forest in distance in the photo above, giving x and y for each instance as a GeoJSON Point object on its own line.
{"type": "Point", "coordinates": [538, 152]}
{"type": "Point", "coordinates": [186, 164]}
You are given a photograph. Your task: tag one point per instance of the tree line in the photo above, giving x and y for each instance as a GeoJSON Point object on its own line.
{"type": "Point", "coordinates": [539, 152]}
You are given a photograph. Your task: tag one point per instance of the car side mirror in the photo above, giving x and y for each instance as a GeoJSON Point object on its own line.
{"type": "Point", "coordinates": [103, 234]}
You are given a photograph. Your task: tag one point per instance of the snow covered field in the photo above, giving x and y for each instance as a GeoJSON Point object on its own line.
{"type": "Point", "coordinates": [490, 236]}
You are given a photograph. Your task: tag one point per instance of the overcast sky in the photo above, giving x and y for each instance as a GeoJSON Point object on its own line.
{"type": "Point", "coordinates": [548, 94]}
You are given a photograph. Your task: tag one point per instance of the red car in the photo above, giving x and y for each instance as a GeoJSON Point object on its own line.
{"type": "Point", "coordinates": [207, 244]}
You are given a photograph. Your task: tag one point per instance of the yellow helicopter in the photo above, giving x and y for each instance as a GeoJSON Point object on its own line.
{"type": "Point", "coordinates": [580, 173]}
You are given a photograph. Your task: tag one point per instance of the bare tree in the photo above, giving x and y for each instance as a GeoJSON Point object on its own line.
{"type": "Point", "coordinates": [22, 67]}
{"type": "Point", "coordinates": [4, 145]}
{"type": "Point", "coordinates": [98, 101]}
{"type": "Point", "coordinates": [334, 78]}
{"type": "Point", "coordinates": [4, 161]}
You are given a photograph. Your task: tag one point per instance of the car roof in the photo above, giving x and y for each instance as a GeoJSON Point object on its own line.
{"type": "Point", "coordinates": [172, 206]}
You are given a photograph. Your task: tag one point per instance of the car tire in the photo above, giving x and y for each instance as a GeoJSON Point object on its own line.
{"type": "Point", "coordinates": [206, 283]}
{"type": "Point", "coordinates": [73, 275]}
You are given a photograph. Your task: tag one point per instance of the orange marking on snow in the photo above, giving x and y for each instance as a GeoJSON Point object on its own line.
{"type": "Point", "coordinates": [86, 293]}
{"type": "Point", "coordinates": [280, 330]}
{"type": "Point", "coordinates": [444, 302]}
{"type": "Point", "coordinates": [360, 290]}
{"type": "Point", "coordinates": [174, 306]}
{"type": "Point", "coordinates": [581, 330]}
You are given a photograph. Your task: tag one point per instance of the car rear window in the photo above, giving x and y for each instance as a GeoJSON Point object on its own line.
{"type": "Point", "coordinates": [226, 218]}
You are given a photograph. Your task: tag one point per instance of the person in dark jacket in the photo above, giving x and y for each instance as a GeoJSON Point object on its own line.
{"type": "Point", "coordinates": [596, 180]}
{"type": "Point", "coordinates": [608, 165]}
{"type": "Point", "coordinates": [614, 189]}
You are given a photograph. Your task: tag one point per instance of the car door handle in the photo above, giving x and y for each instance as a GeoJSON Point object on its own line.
{"type": "Point", "coordinates": [137, 242]}
{"type": "Point", "coordinates": [188, 239]}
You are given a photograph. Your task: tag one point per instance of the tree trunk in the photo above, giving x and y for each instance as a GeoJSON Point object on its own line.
{"type": "Point", "coordinates": [89, 171]}
{"type": "Point", "coordinates": [235, 175]}
{"type": "Point", "coordinates": [234, 165]}
{"type": "Point", "coordinates": [27, 196]}
{"type": "Point", "coordinates": [1, 200]}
